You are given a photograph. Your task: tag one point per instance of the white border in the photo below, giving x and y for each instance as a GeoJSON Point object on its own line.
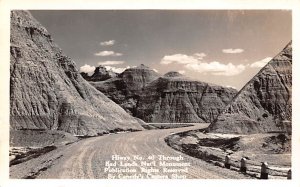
{"type": "Point", "coordinates": [7, 5]}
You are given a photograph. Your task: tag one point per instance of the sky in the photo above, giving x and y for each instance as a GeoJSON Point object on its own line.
{"type": "Point", "coordinates": [224, 47]}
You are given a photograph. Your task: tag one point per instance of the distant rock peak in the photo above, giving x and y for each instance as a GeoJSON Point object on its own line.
{"type": "Point", "coordinates": [100, 67]}
{"type": "Point", "coordinates": [173, 74]}
{"type": "Point", "coordinates": [141, 66]}
{"type": "Point", "coordinates": [100, 74]}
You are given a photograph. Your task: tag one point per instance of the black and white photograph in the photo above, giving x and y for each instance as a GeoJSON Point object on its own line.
{"type": "Point", "coordinates": [150, 94]}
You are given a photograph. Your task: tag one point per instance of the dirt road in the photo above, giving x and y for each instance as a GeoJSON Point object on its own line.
{"type": "Point", "coordinates": [142, 154]}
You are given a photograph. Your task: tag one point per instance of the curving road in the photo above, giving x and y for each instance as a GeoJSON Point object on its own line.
{"type": "Point", "coordinates": [89, 159]}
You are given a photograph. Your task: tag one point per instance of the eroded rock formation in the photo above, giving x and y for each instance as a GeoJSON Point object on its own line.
{"type": "Point", "coordinates": [126, 88]}
{"type": "Point", "coordinates": [47, 91]}
{"type": "Point", "coordinates": [169, 98]}
{"type": "Point", "coordinates": [176, 98]}
{"type": "Point", "coordinates": [100, 74]}
{"type": "Point", "coordinates": [264, 104]}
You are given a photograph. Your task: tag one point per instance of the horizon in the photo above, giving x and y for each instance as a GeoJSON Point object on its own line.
{"type": "Point", "coordinates": [213, 46]}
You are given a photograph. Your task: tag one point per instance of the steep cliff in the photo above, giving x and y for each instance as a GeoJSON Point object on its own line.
{"type": "Point", "coordinates": [264, 104]}
{"type": "Point", "coordinates": [47, 91]}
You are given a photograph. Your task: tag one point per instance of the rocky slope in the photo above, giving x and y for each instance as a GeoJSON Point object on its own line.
{"type": "Point", "coordinates": [47, 91]}
{"type": "Point", "coordinates": [264, 104]}
{"type": "Point", "coordinates": [169, 98]}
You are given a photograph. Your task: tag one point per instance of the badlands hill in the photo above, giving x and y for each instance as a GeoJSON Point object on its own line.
{"type": "Point", "coordinates": [264, 104]}
{"type": "Point", "coordinates": [176, 98]}
{"type": "Point", "coordinates": [171, 98]}
{"type": "Point", "coordinates": [46, 90]}
{"type": "Point", "coordinates": [127, 86]}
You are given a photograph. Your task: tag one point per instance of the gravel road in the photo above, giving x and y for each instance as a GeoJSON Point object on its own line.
{"type": "Point", "coordinates": [140, 152]}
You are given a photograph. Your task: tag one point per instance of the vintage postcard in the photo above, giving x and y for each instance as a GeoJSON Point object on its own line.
{"type": "Point", "coordinates": [149, 93]}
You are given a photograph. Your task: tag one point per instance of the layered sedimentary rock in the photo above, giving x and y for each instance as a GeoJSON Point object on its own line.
{"type": "Point", "coordinates": [169, 98]}
{"type": "Point", "coordinates": [138, 77]}
{"type": "Point", "coordinates": [47, 91]}
{"type": "Point", "coordinates": [100, 74]}
{"type": "Point", "coordinates": [176, 98]}
{"type": "Point", "coordinates": [264, 104]}
{"type": "Point", "coordinates": [126, 88]}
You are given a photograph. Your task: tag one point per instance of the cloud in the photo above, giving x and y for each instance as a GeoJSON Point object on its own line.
{"type": "Point", "coordinates": [193, 63]}
{"type": "Point", "coordinates": [200, 56]}
{"type": "Point", "coordinates": [261, 63]}
{"type": "Point", "coordinates": [87, 69]}
{"type": "Point", "coordinates": [116, 70]}
{"type": "Point", "coordinates": [232, 51]}
{"type": "Point", "coordinates": [104, 63]}
{"type": "Point", "coordinates": [108, 53]}
{"type": "Point", "coordinates": [217, 68]}
{"type": "Point", "coordinates": [228, 86]}
{"type": "Point", "coordinates": [181, 71]}
{"type": "Point", "coordinates": [180, 59]}
{"type": "Point", "coordinates": [108, 43]}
